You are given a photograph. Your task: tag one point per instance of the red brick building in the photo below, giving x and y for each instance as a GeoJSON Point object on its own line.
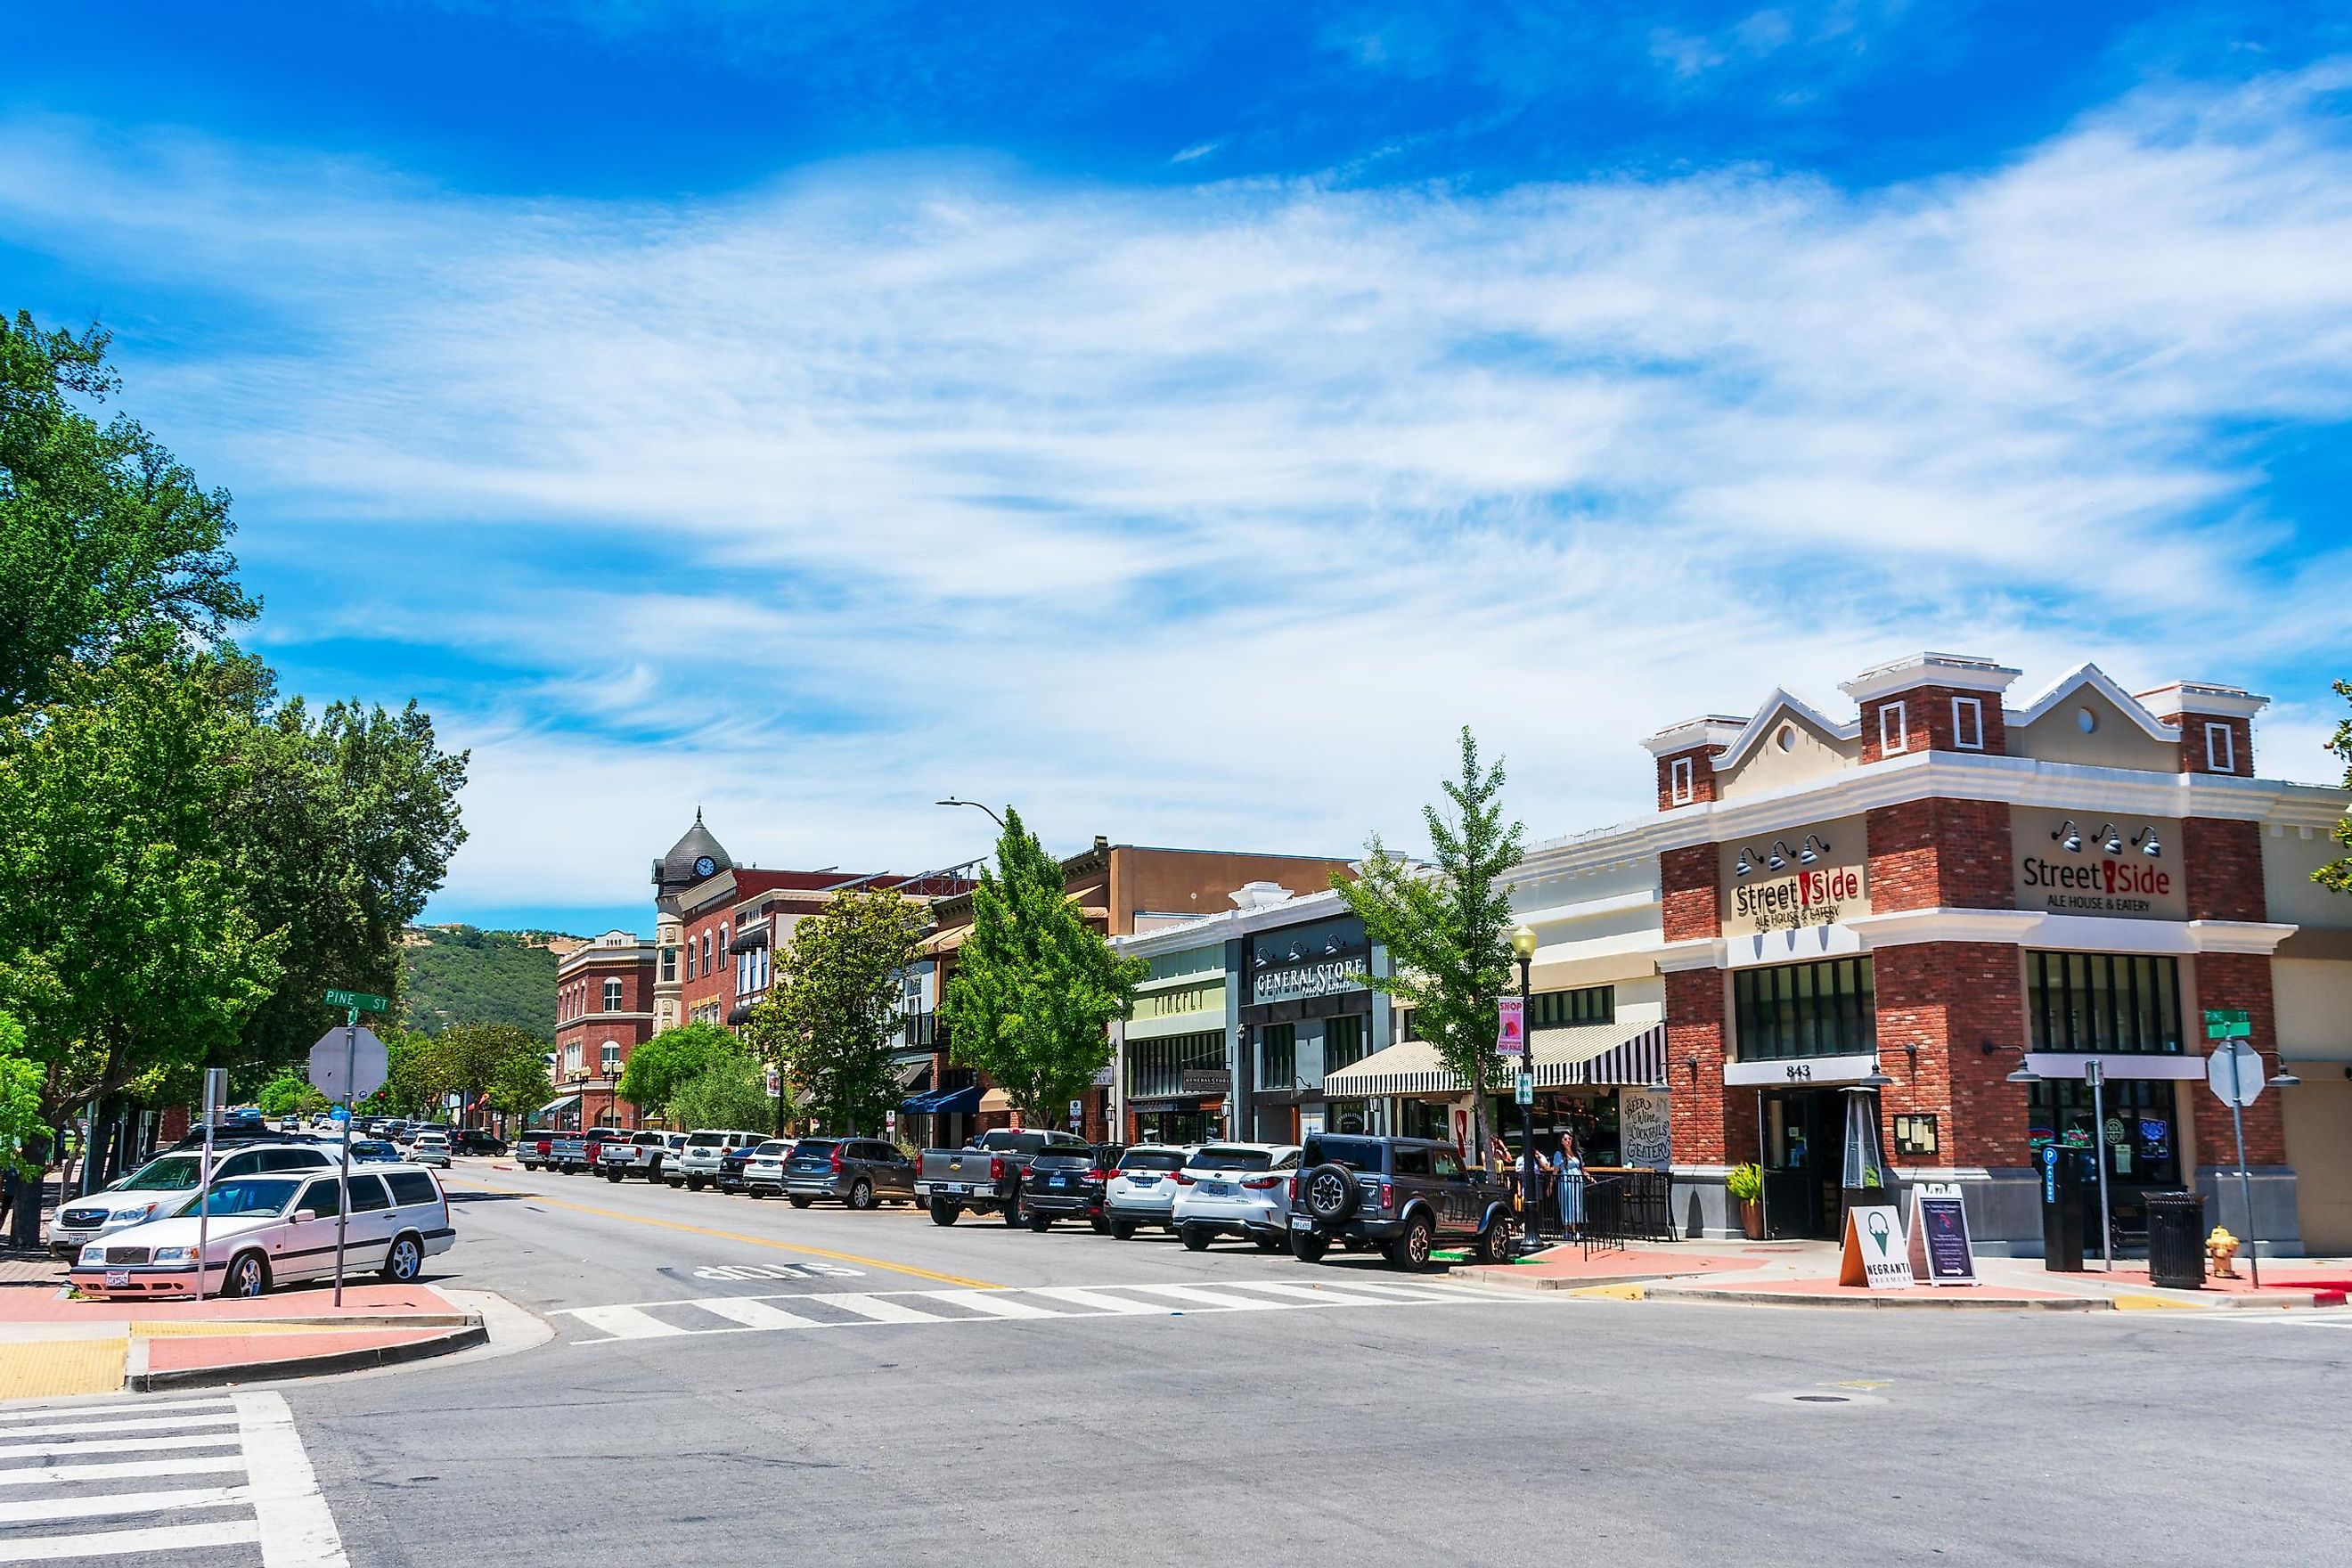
{"type": "Point", "coordinates": [603, 1011]}
{"type": "Point", "coordinates": [1903, 908]}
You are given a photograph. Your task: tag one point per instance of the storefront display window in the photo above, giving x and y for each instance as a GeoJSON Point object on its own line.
{"type": "Point", "coordinates": [1346, 1040]}
{"type": "Point", "coordinates": [1158, 1066]}
{"type": "Point", "coordinates": [2141, 1135]}
{"type": "Point", "coordinates": [1352, 1116]}
{"type": "Point", "coordinates": [2102, 1002]}
{"type": "Point", "coordinates": [1177, 1126]}
{"type": "Point", "coordinates": [1824, 1009]}
{"type": "Point", "coordinates": [1277, 1056]}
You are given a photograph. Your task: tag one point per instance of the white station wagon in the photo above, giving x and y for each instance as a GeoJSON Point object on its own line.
{"type": "Point", "coordinates": [266, 1230]}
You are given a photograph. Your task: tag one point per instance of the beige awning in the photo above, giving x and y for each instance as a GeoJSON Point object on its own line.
{"type": "Point", "coordinates": [994, 1100]}
{"type": "Point", "coordinates": [947, 941]}
{"type": "Point", "coordinates": [1630, 1051]}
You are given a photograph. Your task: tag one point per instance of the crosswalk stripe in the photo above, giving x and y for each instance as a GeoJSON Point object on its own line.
{"type": "Point", "coordinates": [995, 1303]}
{"type": "Point", "coordinates": [1211, 1298]}
{"type": "Point", "coordinates": [156, 1538]}
{"type": "Point", "coordinates": [875, 1308]}
{"type": "Point", "coordinates": [35, 1475]}
{"type": "Point", "coordinates": [1431, 1291]}
{"type": "Point", "coordinates": [1321, 1294]}
{"type": "Point", "coordinates": [1077, 1296]}
{"type": "Point", "coordinates": [755, 1314]}
{"type": "Point", "coordinates": [115, 1446]}
{"type": "Point", "coordinates": [99, 1507]}
{"type": "Point", "coordinates": [289, 1511]}
{"type": "Point", "coordinates": [161, 1424]}
{"type": "Point", "coordinates": [625, 1322]}
{"type": "Point", "coordinates": [11, 1419]}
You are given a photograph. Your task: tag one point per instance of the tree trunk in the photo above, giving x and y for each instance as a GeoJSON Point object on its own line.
{"type": "Point", "coordinates": [95, 1147]}
{"type": "Point", "coordinates": [24, 1196]}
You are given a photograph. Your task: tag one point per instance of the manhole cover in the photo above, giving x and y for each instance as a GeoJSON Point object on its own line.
{"type": "Point", "coordinates": [1823, 1399]}
{"type": "Point", "coordinates": [1815, 1396]}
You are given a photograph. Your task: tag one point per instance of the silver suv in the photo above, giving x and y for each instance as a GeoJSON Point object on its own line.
{"type": "Point", "coordinates": [696, 1165]}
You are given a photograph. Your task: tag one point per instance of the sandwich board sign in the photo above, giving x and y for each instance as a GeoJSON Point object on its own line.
{"type": "Point", "coordinates": [1940, 1252]}
{"type": "Point", "coordinates": [1875, 1253]}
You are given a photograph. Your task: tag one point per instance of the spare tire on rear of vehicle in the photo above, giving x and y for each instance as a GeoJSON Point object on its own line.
{"type": "Point", "coordinates": [1328, 1192]}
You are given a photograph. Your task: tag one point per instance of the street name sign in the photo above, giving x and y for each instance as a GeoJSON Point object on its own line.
{"type": "Point", "coordinates": [1875, 1253]}
{"type": "Point", "coordinates": [367, 1064]}
{"type": "Point", "coordinates": [1524, 1092]}
{"type": "Point", "coordinates": [358, 1002]}
{"type": "Point", "coordinates": [2228, 1024]}
{"type": "Point", "coordinates": [2235, 1072]}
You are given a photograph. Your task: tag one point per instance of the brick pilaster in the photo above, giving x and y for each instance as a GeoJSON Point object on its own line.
{"type": "Point", "coordinates": [1691, 893]}
{"type": "Point", "coordinates": [2239, 980]}
{"type": "Point", "coordinates": [1928, 724]}
{"type": "Point", "coordinates": [1948, 1000]}
{"type": "Point", "coordinates": [1712, 1125]}
{"type": "Point", "coordinates": [1940, 854]}
{"type": "Point", "coordinates": [2222, 862]}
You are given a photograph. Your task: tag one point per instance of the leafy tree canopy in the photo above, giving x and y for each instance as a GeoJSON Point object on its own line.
{"type": "Point", "coordinates": [22, 1125]}
{"type": "Point", "coordinates": [730, 1093]}
{"type": "Point", "coordinates": [1447, 927]}
{"type": "Point", "coordinates": [104, 536]}
{"type": "Point", "coordinates": [1035, 987]}
{"type": "Point", "coordinates": [2338, 873]}
{"type": "Point", "coordinates": [658, 1068]}
{"type": "Point", "coordinates": [832, 1017]}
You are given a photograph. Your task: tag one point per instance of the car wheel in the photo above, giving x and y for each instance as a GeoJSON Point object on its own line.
{"type": "Point", "coordinates": [1308, 1248]}
{"type": "Point", "coordinates": [754, 1194]}
{"type": "Point", "coordinates": [1329, 1191]}
{"type": "Point", "coordinates": [1123, 1230]}
{"type": "Point", "coordinates": [1499, 1243]}
{"type": "Point", "coordinates": [1040, 1223]}
{"type": "Point", "coordinates": [861, 1193]}
{"type": "Point", "coordinates": [1012, 1210]}
{"type": "Point", "coordinates": [800, 1202]}
{"type": "Point", "coordinates": [1196, 1239]}
{"type": "Point", "coordinates": [613, 1177]}
{"type": "Point", "coordinates": [694, 1184]}
{"type": "Point", "coordinates": [248, 1275]}
{"type": "Point", "coordinates": [1409, 1252]}
{"type": "Point", "coordinates": [1102, 1226]}
{"type": "Point", "coordinates": [944, 1212]}
{"type": "Point", "coordinates": [405, 1261]}
{"type": "Point", "coordinates": [653, 1172]}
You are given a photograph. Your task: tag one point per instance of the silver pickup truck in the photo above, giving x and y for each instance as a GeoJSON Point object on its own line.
{"type": "Point", "coordinates": [985, 1175]}
{"type": "Point", "coordinates": [641, 1153]}
{"type": "Point", "coordinates": [573, 1152]}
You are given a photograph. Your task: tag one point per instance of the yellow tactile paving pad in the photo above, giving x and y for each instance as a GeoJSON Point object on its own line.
{"type": "Point", "coordinates": [50, 1369]}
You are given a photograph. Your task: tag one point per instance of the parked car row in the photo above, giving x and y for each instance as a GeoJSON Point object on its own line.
{"type": "Point", "coordinates": [1404, 1198]}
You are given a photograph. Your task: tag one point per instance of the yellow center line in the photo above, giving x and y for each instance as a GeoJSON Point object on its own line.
{"type": "Point", "coordinates": [747, 1240]}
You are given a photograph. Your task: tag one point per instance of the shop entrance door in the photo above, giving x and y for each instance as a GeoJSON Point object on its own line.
{"type": "Point", "coordinates": [1804, 1145]}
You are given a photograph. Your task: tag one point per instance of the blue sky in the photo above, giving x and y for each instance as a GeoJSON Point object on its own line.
{"type": "Point", "coordinates": [1178, 420]}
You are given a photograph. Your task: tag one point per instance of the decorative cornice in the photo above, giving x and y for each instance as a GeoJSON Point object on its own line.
{"type": "Point", "coordinates": [1905, 927]}
{"type": "Point", "coordinates": [1958, 671]}
{"type": "Point", "coordinates": [1782, 700]}
{"type": "Point", "coordinates": [1699, 953]}
{"type": "Point", "coordinates": [2169, 701]}
{"type": "Point", "coordinates": [1717, 729]}
{"type": "Point", "coordinates": [2261, 937]}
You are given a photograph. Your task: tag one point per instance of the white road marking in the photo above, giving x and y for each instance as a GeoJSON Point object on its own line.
{"type": "Point", "coordinates": [1208, 1295]}
{"type": "Point", "coordinates": [754, 1314]}
{"type": "Point", "coordinates": [1094, 1300]}
{"type": "Point", "coordinates": [295, 1529]}
{"type": "Point", "coordinates": [879, 1311]}
{"type": "Point", "coordinates": [1324, 1295]}
{"type": "Point", "coordinates": [12, 1418]}
{"type": "Point", "coordinates": [995, 1303]}
{"type": "Point", "coordinates": [626, 1322]}
{"type": "Point", "coordinates": [272, 1499]}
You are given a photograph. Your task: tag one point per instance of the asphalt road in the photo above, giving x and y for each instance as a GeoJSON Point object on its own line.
{"type": "Point", "coordinates": [848, 1403]}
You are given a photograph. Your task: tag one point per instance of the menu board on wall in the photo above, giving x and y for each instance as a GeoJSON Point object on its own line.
{"type": "Point", "coordinates": [2097, 863]}
{"type": "Point", "coordinates": [1644, 1133]}
{"type": "Point", "coordinates": [1812, 875]}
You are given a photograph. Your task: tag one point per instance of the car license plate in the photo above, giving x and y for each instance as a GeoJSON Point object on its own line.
{"type": "Point", "coordinates": [1060, 1180]}
{"type": "Point", "coordinates": [1302, 1222]}
{"type": "Point", "coordinates": [118, 1277]}
{"type": "Point", "coordinates": [1218, 1189]}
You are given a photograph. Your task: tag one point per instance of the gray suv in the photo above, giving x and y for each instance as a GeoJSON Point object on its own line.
{"type": "Point", "coordinates": [1402, 1194]}
{"type": "Point", "coordinates": [859, 1172]}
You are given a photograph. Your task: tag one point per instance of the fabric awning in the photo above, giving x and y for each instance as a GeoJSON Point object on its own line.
{"type": "Point", "coordinates": [995, 1100]}
{"type": "Point", "coordinates": [944, 1102]}
{"type": "Point", "coordinates": [946, 941]}
{"type": "Point", "coordinates": [910, 1074]}
{"type": "Point", "coordinates": [1631, 1051]}
{"type": "Point", "coordinates": [553, 1106]}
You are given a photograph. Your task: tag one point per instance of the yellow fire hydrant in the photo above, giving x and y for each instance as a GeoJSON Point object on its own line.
{"type": "Point", "coordinates": [2222, 1248]}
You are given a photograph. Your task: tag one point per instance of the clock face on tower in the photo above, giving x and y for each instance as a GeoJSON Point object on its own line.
{"type": "Point", "coordinates": [705, 865]}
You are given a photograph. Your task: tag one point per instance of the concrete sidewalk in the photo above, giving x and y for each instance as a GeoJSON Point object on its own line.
{"type": "Point", "coordinates": [53, 1344]}
{"type": "Point", "coordinates": [1805, 1274]}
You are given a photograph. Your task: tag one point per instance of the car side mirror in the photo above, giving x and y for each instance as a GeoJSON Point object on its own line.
{"type": "Point", "coordinates": [304, 1216]}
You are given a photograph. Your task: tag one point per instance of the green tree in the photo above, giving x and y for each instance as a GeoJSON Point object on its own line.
{"type": "Point", "coordinates": [127, 948]}
{"type": "Point", "coordinates": [830, 1020]}
{"type": "Point", "coordinates": [730, 1093]}
{"type": "Point", "coordinates": [1035, 987]}
{"type": "Point", "coordinates": [656, 1069]}
{"type": "Point", "coordinates": [523, 1084]}
{"type": "Point", "coordinates": [24, 1130]}
{"type": "Point", "coordinates": [105, 538]}
{"type": "Point", "coordinates": [2338, 873]}
{"type": "Point", "coordinates": [288, 1094]}
{"type": "Point", "coordinates": [1447, 927]}
{"type": "Point", "coordinates": [468, 1059]}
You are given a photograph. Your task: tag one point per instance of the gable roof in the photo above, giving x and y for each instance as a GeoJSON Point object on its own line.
{"type": "Point", "coordinates": [1782, 700]}
{"type": "Point", "coordinates": [2098, 680]}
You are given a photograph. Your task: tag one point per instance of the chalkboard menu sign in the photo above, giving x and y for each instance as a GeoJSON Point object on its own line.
{"type": "Point", "coordinates": [1939, 1238]}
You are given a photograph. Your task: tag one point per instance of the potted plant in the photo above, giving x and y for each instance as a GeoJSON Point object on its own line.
{"type": "Point", "coordinates": [1744, 1184]}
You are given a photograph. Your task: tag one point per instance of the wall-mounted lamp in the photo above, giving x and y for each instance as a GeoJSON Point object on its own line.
{"type": "Point", "coordinates": [1877, 1078]}
{"type": "Point", "coordinates": [1778, 858]}
{"type": "Point", "coordinates": [1911, 1049]}
{"type": "Point", "coordinates": [1691, 1063]}
{"type": "Point", "coordinates": [2024, 1073]}
{"type": "Point", "coordinates": [1741, 866]}
{"type": "Point", "coordinates": [1987, 1046]}
{"type": "Point", "coordinates": [2066, 837]}
{"type": "Point", "coordinates": [1813, 848]}
{"type": "Point", "coordinates": [2109, 840]}
{"type": "Point", "coordinates": [2283, 1078]}
{"type": "Point", "coordinates": [2145, 841]}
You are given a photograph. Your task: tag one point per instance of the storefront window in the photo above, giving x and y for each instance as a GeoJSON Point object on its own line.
{"type": "Point", "coordinates": [1556, 1009]}
{"type": "Point", "coordinates": [1158, 1066]}
{"type": "Point", "coordinates": [1346, 1040]}
{"type": "Point", "coordinates": [2102, 1002]}
{"type": "Point", "coordinates": [1177, 1126]}
{"type": "Point", "coordinates": [1825, 1009]}
{"type": "Point", "coordinates": [2142, 1131]}
{"type": "Point", "coordinates": [1422, 1118]}
{"type": "Point", "coordinates": [1277, 1056]}
{"type": "Point", "coordinates": [1353, 1116]}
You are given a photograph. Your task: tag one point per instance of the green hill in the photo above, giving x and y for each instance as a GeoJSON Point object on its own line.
{"type": "Point", "coordinates": [460, 974]}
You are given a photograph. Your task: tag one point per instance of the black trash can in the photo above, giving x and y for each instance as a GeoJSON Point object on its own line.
{"type": "Point", "coordinates": [2175, 1240]}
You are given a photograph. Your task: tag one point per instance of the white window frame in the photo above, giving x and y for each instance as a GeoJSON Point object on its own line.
{"type": "Point", "coordinates": [2223, 758]}
{"type": "Point", "coordinates": [608, 1059]}
{"type": "Point", "coordinates": [611, 996]}
{"type": "Point", "coordinates": [571, 1057]}
{"type": "Point", "coordinates": [1899, 739]}
{"type": "Point", "coordinates": [1974, 707]}
{"type": "Point", "coordinates": [1679, 786]}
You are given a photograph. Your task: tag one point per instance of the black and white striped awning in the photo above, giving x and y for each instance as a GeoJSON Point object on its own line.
{"type": "Point", "coordinates": [1632, 1052]}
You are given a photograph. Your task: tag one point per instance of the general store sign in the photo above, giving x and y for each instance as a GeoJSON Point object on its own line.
{"type": "Point", "coordinates": [1821, 878]}
{"type": "Point", "coordinates": [2097, 863]}
{"type": "Point", "coordinates": [1317, 977]}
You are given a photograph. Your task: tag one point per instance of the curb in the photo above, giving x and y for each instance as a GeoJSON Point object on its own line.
{"type": "Point", "coordinates": [1509, 1277]}
{"type": "Point", "coordinates": [356, 1320]}
{"type": "Point", "coordinates": [142, 1380]}
{"type": "Point", "coordinates": [1956, 1301]}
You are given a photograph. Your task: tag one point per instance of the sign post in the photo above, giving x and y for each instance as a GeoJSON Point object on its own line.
{"type": "Point", "coordinates": [2235, 1073]}
{"type": "Point", "coordinates": [2094, 1074]}
{"type": "Point", "coordinates": [371, 1069]}
{"type": "Point", "coordinates": [215, 1092]}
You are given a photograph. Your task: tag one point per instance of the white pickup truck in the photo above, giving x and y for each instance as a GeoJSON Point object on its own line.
{"type": "Point", "coordinates": [696, 1164]}
{"type": "Point", "coordinates": [642, 1153]}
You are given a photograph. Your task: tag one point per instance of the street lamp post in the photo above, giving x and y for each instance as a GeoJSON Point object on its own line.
{"type": "Point", "coordinates": [976, 806]}
{"type": "Point", "coordinates": [1523, 944]}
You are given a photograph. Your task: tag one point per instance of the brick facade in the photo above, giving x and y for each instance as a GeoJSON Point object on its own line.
{"type": "Point", "coordinates": [1702, 780]}
{"type": "Point", "coordinates": [2196, 753]}
{"type": "Point", "coordinates": [2222, 862]}
{"type": "Point", "coordinates": [2239, 980]}
{"type": "Point", "coordinates": [1710, 1127]}
{"type": "Point", "coordinates": [1939, 1005]}
{"type": "Point", "coordinates": [1691, 893]}
{"type": "Point", "coordinates": [1928, 723]}
{"type": "Point", "coordinates": [1940, 854]}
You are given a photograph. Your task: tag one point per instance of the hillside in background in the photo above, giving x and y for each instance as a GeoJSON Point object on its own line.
{"type": "Point", "coordinates": [458, 974]}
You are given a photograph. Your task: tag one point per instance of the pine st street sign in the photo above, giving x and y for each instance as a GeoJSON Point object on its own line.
{"type": "Point", "coordinates": [2228, 1024]}
{"type": "Point", "coordinates": [358, 1002]}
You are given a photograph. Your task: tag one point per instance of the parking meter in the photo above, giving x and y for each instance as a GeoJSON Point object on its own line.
{"type": "Point", "coordinates": [2062, 1209]}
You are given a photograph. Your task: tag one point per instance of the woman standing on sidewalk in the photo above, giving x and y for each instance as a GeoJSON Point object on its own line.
{"type": "Point", "coordinates": [1568, 1173]}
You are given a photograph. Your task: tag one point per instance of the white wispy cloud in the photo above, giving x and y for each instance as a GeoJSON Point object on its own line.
{"type": "Point", "coordinates": [1206, 516]}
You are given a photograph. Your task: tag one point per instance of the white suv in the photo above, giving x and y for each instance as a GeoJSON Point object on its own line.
{"type": "Point", "coordinates": [696, 1166]}
{"type": "Point", "coordinates": [1236, 1189]}
{"type": "Point", "coordinates": [1142, 1191]}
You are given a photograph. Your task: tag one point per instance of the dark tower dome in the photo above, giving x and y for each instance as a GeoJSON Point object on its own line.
{"type": "Point", "coordinates": [694, 859]}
